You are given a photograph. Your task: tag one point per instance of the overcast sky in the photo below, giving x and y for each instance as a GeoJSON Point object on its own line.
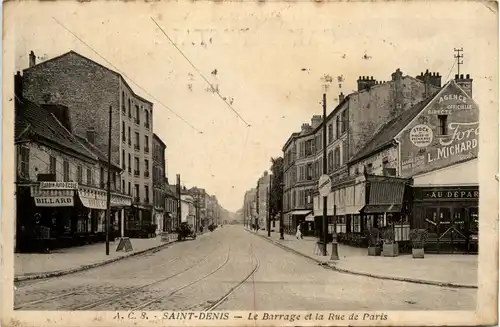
{"type": "Point", "coordinates": [269, 59]}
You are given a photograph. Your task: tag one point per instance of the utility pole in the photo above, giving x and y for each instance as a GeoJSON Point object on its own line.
{"type": "Point", "coordinates": [459, 58]}
{"type": "Point", "coordinates": [325, 198]}
{"type": "Point", "coordinates": [108, 198]}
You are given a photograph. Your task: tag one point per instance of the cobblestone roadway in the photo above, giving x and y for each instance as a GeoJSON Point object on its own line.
{"type": "Point", "coordinates": [284, 281]}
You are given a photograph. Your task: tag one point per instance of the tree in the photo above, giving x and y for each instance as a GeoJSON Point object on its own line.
{"type": "Point", "coordinates": [276, 194]}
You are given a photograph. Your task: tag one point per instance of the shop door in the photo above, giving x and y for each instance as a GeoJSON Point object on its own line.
{"type": "Point", "coordinates": [452, 229]}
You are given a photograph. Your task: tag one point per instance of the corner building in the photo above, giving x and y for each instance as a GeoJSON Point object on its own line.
{"type": "Point", "coordinates": [350, 125]}
{"type": "Point", "coordinates": [90, 89]}
{"type": "Point", "coordinates": [419, 172]}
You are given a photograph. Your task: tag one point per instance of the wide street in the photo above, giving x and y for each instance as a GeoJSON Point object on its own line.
{"type": "Point", "coordinates": [253, 273]}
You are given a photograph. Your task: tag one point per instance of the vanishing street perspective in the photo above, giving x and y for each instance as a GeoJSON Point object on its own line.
{"type": "Point", "coordinates": [370, 202]}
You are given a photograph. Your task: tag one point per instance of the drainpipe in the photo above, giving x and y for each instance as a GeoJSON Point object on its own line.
{"type": "Point", "coordinates": [400, 165]}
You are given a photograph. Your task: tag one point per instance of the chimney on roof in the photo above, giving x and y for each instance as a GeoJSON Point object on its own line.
{"type": "Point", "coordinates": [32, 60]}
{"type": "Point", "coordinates": [464, 83]}
{"type": "Point", "coordinates": [316, 121]}
{"type": "Point", "coordinates": [366, 82]}
{"type": "Point", "coordinates": [341, 97]}
{"type": "Point", "coordinates": [60, 112]}
{"type": "Point", "coordinates": [397, 75]}
{"type": "Point", "coordinates": [430, 78]}
{"type": "Point", "coordinates": [305, 127]}
{"type": "Point", "coordinates": [90, 134]}
{"type": "Point", "coordinates": [18, 87]}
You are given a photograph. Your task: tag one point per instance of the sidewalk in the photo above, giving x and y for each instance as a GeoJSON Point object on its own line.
{"type": "Point", "coordinates": [435, 269]}
{"type": "Point", "coordinates": [69, 260]}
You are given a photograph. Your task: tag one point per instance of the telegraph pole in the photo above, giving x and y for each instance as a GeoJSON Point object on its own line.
{"type": "Point", "coordinates": [325, 198]}
{"type": "Point", "coordinates": [108, 198]}
{"type": "Point", "coordinates": [459, 58]}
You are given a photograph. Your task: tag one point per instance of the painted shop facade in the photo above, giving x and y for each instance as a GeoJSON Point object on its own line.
{"type": "Point", "coordinates": [60, 183]}
{"type": "Point", "coordinates": [418, 171]}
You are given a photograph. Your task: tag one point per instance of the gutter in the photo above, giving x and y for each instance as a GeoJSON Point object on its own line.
{"type": "Point", "coordinates": [400, 165]}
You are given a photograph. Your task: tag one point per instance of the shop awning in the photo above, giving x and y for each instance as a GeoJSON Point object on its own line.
{"type": "Point", "coordinates": [299, 212]}
{"type": "Point", "coordinates": [391, 208]}
{"type": "Point", "coordinates": [97, 199]}
{"type": "Point", "coordinates": [385, 196]}
{"type": "Point", "coordinates": [353, 210]}
{"type": "Point", "coordinates": [310, 217]}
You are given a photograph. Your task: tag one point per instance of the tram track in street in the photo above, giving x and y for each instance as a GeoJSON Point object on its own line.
{"type": "Point", "coordinates": [93, 304]}
{"type": "Point", "coordinates": [177, 290]}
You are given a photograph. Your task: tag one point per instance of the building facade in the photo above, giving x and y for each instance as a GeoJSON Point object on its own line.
{"type": "Point", "coordinates": [250, 207]}
{"type": "Point", "coordinates": [61, 181]}
{"type": "Point", "coordinates": [171, 206]}
{"type": "Point", "coordinates": [350, 125]}
{"type": "Point", "coordinates": [263, 187]}
{"type": "Point", "coordinates": [188, 213]}
{"type": "Point", "coordinates": [90, 90]}
{"type": "Point", "coordinates": [419, 171]}
{"type": "Point", "coordinates": [159, 183]}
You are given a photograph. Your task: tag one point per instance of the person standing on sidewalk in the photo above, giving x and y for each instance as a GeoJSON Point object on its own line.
{"type": "Point", "coordinates": [299, 233]}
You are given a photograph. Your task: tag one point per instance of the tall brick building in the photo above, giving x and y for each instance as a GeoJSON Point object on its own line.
{"type": "Point", "coordinates": [90, 89]}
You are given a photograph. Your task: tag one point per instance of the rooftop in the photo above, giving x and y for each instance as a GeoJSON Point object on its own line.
{"type": "Point", "coordinates": [34, 120]}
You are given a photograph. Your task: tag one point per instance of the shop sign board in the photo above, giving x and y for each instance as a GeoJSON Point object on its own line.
{"type": "Point", "coordinates": [324, 185]}
{"type": "Point", "coordinates": [446, 132]}
{"type": "Point", "coordinates": [54, 201]}
{"type": "Point", "coordinates": [58, 185]}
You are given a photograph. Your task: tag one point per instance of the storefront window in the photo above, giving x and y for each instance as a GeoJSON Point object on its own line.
{"type": "Point", "coordinates": [356, 223]}
{"type": "Point", "coordinates": [431, 220]}
{"type": "Point", "coordinates": [473, 220]}
{"type": "Point", "coordinates": [444, 219]}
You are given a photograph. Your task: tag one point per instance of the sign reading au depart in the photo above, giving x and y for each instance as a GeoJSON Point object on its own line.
{"type": "Point", "coordinates": [324, 185]}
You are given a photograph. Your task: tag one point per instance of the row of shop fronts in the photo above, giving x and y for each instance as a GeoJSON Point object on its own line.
{"type": "Point", "coordinates": [448, 212]}
{"type": "Point", "coordinates": [63, 214]}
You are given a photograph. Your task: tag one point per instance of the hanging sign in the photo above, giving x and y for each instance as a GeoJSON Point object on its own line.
{"type": "Point", "coordinates": [324, 185]}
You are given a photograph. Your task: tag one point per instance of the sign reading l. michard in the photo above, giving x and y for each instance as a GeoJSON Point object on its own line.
{"type": "Point", "coordinates": [445, 132]}
{"type": "Point", "coordinates": [324, 185]}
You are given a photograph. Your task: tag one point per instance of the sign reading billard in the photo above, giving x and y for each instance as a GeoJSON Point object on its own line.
{"type": "Point", "coordinates": [54, 201]}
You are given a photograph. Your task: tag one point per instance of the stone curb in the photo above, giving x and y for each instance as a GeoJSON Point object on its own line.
{"type": "Point", "coordinates": [352, 272]}
{"type": "Point", "coordinates": [58, 273]}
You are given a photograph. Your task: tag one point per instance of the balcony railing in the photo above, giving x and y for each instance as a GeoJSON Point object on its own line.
{"type": "Point", "coordinates": [136, 172]}
{"type": "Point", "coordinates": [137, 199]}
{"type": "Point", "coordinates": [146, 173]}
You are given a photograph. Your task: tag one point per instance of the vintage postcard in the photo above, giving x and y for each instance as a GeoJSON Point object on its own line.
{"type": "Point", "coordinates": [250, 163]}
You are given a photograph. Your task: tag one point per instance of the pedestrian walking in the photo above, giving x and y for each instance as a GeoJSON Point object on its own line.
{"type": "Point", "coordinates": [299, 233]}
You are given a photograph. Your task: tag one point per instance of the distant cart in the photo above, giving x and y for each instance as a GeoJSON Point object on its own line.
{"type": "Point", "coordinates": [184, 231]}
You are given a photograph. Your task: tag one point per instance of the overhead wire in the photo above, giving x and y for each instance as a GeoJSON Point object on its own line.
{"type": "Point", "coordinates": [126, 76]}
{"type": "Point", "coordinates": [200, 73]}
